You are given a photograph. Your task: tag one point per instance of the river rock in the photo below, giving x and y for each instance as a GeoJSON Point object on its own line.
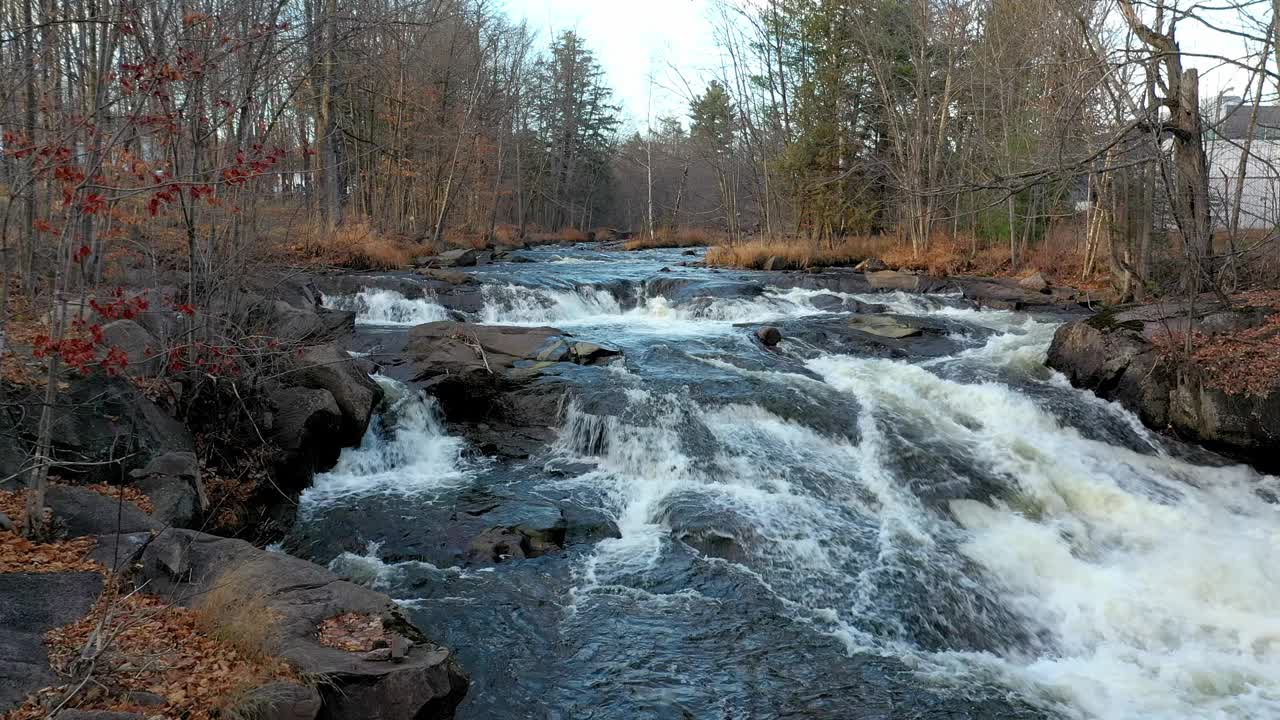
{"type": "Point", "coordinates": [460, 257]}
{"type": "Point", "coordinates": [184, 565]}
{"type": "Point", "coordinates": [769, 335]}
{"type": "Point", "coordinates": [452, 277]}
{"type": "Point", "coordinates": [172, 482]}
{"type": "Point", "coordinates": [328, 367]}
{"type": "Point", "coordinates": [1034, 282]}
{"type": "Point", "coordinates": [871, 265]}
{"type": "Point", "coordinates": [465, 348]}
{"type": "Point", "coordinates": [885, 326]}
{"type": "Point", "coordinates": [1115, 355]}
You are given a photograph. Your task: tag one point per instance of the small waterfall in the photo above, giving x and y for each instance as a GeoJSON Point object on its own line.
{"type": "Point", "coordinates": [405, 450]}
{"type": "Point", "coordinates": [375, 306]}
{"type": "Point", "coordinates": [520, 305]}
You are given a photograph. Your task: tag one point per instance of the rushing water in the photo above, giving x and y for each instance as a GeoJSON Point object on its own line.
{"type": "Point", "coordinates": [810, 534]}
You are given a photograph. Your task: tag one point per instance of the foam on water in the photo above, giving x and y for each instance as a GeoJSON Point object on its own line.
{"type": "Point", "coordinates": [590, 306]}
{"type": "Point", "coordinates": [405, 450]}
{"type": "Point", "coordinates": [1152, 579]}
{"type": "Point", "coordinates": [374, 306]}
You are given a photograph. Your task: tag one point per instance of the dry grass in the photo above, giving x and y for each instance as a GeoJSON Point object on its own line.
{"type": "Point", "coordinates": [1058, 256]}
{"type": "Point", "coordinates": [235, 612]}
{"type": "Point", "coordinates": [673, 238]}
{"type": "Point", "coordinates": [357, 246]}
{"type": "Point", "coordinates": [564, 236]}
{"type": "Point", "coordinates": [791, 254]}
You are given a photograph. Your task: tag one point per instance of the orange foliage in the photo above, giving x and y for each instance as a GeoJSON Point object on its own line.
{"type": "Point", "coordinates": [352, 632]}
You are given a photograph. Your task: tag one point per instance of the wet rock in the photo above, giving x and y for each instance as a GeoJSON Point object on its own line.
{"type": "Point", "coordinates": [832, 279]}
{"type": "Point", "coordinates": [30, 605]}
{"type": "Point", "coordinates": [1034, 283]}
{"type": "Point", "coordinates": [452, 277]}
{"type": "Point", "coordinates": [884, 326]}
{"type": "Point", "coordinates": [498, 545]}
{"type": "Point", "coordinates": [769, 335]}
{"type": "Point", "coordinates": [848, 336]}
{"type": "Point", "coordinates": [172, 482]}
{"type": "Point", "coordinates": [307, 425]}
{"type": "Point", "coordinates": [78, 512]}
{"type": "Point", "coordinates": [896, 280]}
{"type": "Point", "coordinates": [184, 565]}
{"type": "Point", "coordinates": [461, 257]}
{"type": "Point", "coordinates": [871, 265]}
{"type": "Point", "coordinates": [689, 253]}
{"type": "Point", "coordinates": [1113, 354]}
{"type": "Point", "coordinates": [328, 367]}
{"type": "Point", "coordinates": [455, 348]}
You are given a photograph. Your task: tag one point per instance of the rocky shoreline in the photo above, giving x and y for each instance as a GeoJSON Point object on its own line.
{"type": "Point", "coordinates": [501, 388]}
{"type": "Point", "coordinates": [1131, 355]}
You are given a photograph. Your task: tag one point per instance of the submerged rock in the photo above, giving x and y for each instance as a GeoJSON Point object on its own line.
{"type": "Point", "coordinates": [769, 335]}
{"type": "Point", "coordinates": [885, 326]}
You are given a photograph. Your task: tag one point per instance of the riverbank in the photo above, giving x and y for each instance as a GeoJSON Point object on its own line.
{"type": "Point", "coordinates": [593, 447]}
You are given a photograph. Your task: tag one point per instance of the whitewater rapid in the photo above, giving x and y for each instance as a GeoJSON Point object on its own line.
{"type": "Point", "coordinates": [973, 516]}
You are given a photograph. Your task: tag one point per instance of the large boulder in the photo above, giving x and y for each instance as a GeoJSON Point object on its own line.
{"type": "Point", "coordinates": [146, 355]}
{"type": "Point", "coordinates": [172, 482]}
{"type": "Point", "coordinates": [196, 570]}
{"type": "Point", "coordinates": [103, 427]}
{"type": "Point", "coordinates": [457, 348]}
{"type": "Point", "coordinates": [79, 511]}
{"type": "Point", "coordinates": [30, 605]}
{"type": "Point", "coordinates": [329, 367]}
{"type": "Point", "coordinates": [490, 381]}
{"type": "Point", "coordinates": [461, 257]}
{"type": "Point", "coordinates": [1124, 354]}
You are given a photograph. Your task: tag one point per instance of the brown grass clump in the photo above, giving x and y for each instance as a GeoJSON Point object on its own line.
{"type": "Point", "coordinates": [671, 238]}
{"type": "Point", "coordinates": [357, 246]}
{"type": "Point", "coordinates": [233, 612]}
{"type": "Point", "coordinates": [792, 254]}
{"type": "Point", "coordinates": [152, 646]}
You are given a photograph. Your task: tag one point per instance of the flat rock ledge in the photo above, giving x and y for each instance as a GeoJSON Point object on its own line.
{"type": "Point", "coordinates": [286, 599]}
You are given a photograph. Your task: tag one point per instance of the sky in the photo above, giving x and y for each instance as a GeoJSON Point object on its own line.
{"type": "Point", "coordinates": [634, 39]}
{"type": "Point", "coordinates": [638, 39]}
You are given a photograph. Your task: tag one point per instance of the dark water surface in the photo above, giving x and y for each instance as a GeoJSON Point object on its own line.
{"type": "Point", "coordinates": [933, 528]}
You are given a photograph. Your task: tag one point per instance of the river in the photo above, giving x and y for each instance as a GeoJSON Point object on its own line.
{"type": "Point", "coordinates": [809, 531]}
